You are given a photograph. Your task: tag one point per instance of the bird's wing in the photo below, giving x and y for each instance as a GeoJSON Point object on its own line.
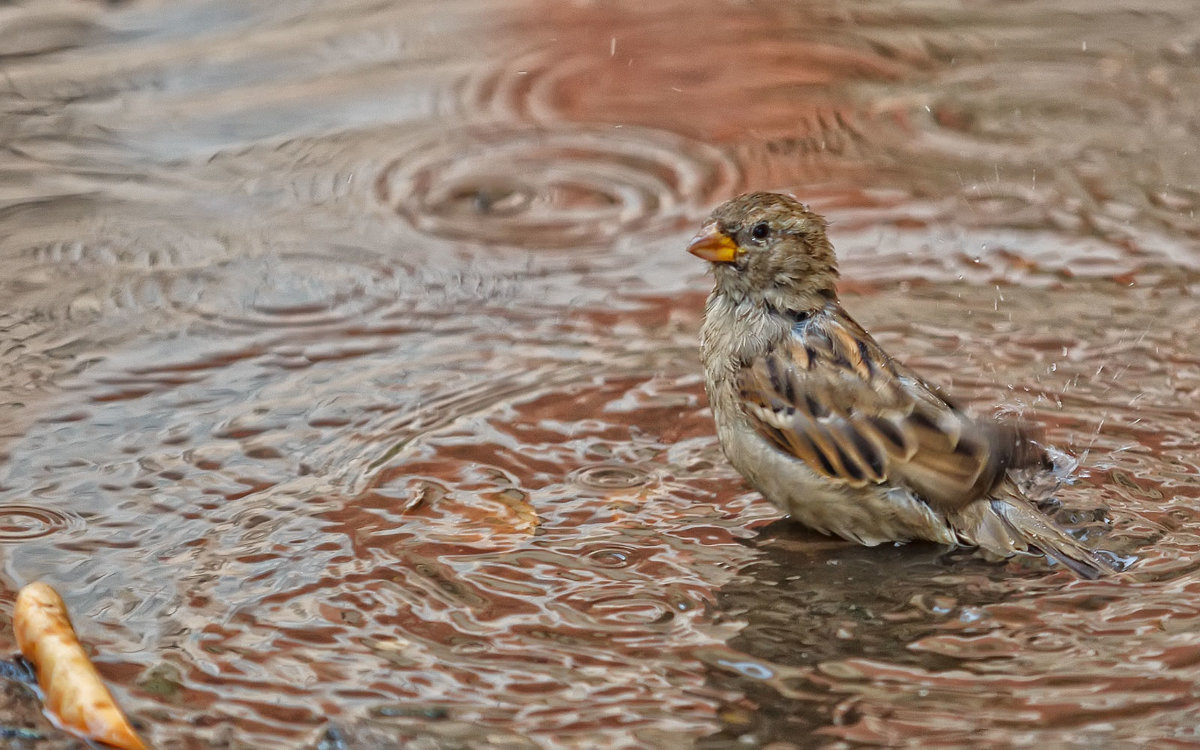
{"type": "Point", "coordinates": [832, 398]}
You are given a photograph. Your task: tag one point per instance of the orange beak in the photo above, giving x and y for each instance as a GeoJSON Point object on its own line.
{"type": "Point", "coordinates": [713, 245]}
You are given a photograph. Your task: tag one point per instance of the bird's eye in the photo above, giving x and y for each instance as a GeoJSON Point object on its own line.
{"type": "Point", "coordinates": [760, 230]}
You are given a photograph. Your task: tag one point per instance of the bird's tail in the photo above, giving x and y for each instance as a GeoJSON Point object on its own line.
{"type": "Point", "coordinates": [1010, 524]}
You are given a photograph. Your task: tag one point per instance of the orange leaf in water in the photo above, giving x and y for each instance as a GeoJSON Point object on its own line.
{"type": "Point", "coordinates": [76, 699]}
{"type": "Point", "coordinates": [516, 513]}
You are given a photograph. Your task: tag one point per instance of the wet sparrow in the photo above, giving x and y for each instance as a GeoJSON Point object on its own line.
{"type": "Point", "coordinates": [827, 426]}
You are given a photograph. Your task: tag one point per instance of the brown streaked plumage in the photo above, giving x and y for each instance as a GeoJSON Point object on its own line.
{"type": "Point", "coordinates": [817, 417]}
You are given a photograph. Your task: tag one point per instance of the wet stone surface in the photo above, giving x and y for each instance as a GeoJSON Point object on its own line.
{"type": "Point", "coordinates": [349, 389]}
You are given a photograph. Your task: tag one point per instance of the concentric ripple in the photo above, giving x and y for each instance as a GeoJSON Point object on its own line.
{"type": "Point", "coordinates": [22, 523]}
{"type": "Point", "coordinates": [653, 68]}
{"type": "Point", "coordinates": [612, 477]}
{"type": "Point", "coordinates": [553, 188]}
{"type": "Point", "coordinates": [285, 291]}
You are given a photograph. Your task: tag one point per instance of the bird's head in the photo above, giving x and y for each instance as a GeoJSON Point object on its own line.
{"type": "Point", "coordinates": [769, 249]}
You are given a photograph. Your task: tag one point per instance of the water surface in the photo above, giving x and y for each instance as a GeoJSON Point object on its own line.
{"type": "Point", "coordinates": [349, 389]}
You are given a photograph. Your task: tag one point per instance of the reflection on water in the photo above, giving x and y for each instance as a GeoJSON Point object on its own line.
{"type": "Point", "coordinates": [348, 376]}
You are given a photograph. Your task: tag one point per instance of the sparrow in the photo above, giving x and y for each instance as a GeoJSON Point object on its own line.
{"type": "Point", "coordinates": [826, 425]}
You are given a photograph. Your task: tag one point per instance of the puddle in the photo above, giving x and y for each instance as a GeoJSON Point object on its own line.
{"type": "Point", "coordinates": [349, 385]}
